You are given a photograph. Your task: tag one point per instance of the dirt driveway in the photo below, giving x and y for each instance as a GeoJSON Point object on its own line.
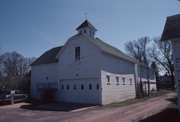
{"type": "Point", "coordinates": [131, 113]}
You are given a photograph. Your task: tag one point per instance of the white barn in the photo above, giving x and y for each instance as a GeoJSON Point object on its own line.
{"type": "Point", "coordinates": [85, 70]}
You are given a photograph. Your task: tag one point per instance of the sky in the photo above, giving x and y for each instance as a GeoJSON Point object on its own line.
{"type": "Point", "coordinates": [31, 27]}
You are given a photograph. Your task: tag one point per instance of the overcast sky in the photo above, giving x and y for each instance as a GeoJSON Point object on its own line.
{"type": "Point", "coordinates": [31, 27]}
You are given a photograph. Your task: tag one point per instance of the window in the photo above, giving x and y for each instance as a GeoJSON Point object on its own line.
{"type": "Point", "coordinates": [84, 31]}
{"type": "Point", "coordinates": [123, 78]}
{"type": "Point", "coordinates": [82, 87]}
{"type": "Point", "coordinates": [97, 86]}
{"type": "Point", "coordinates": [130, 81]}
{"type": "Point", "coordinates": [67, 87]}
{"type": "Point", "coordinates": [90, 86]}
{"type": "Point", "coordinates": [77, 53]}
{"type": "Point", "coordinates": [108, 78]}
{"type": "Point", "coordinates": [62, 87]}
{"type": "Point", "coordinates": [74, 87]}
{"type": "Point", "coordinates": [117, 79]}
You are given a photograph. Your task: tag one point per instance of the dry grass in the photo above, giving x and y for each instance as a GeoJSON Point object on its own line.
{"type": "Point", "coordinates": [134, 101]}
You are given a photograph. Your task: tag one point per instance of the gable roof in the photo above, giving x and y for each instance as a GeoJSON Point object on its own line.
{"type": "Point", "coordinates": [172, 28]}
{"type": "Point", "coordinates": [86, 23]}
{"type": "Point", "coordinates": [48, 57]}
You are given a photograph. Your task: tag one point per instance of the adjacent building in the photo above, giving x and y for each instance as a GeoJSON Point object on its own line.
{"type": "Point", "coordinates": [172, 33]}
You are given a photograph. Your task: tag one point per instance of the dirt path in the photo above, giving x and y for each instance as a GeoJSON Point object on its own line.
{"type": "Point", "coordinates": [131, 113]}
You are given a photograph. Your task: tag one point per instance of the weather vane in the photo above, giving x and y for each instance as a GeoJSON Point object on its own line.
{"type": "Point", "coordinates": [85, 15]}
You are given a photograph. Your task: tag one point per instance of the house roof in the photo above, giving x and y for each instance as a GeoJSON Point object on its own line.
{"type": "Point", "coordinates": [48, 56]}
{"type": "Point", "coordinates": [86, 23]}
{"type": "Point", "coordinates": [172, 28]}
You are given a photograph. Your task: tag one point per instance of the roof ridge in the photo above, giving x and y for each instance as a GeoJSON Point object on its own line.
{"type": "Point", "coordinates": [109, 45]}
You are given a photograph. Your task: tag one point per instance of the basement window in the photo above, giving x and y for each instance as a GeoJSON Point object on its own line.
{"type": "Point", "coordinates": [67, 87]}
{"type": "Point", "coordinates": [117, 79]}
{"type": "Point", "coordinates": [90, 87]}
{"type": "Point", "coordinates": [108, 78]}
{"type": "Point", "coordinates": [130, 81]}
{"type": "Point", "coordinates": [74, 87]}
{"type": "Point", "coordinates": [123, 78]}
{"type": "Point", "coordinates": [82, 87]}
{"type": "Point", "coordinates": [97, 86]}
{"type": "Point", "coordinates": [77, 53]}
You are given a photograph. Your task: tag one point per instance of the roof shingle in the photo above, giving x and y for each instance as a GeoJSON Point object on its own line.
{"type": "Point", "coordinates": [48, 56]}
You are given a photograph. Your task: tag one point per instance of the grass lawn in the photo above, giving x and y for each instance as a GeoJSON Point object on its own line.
{"type": "Point", "coordinates": [135, 100]}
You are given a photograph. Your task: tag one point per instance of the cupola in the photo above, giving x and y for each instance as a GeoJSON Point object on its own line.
{"type": "Point", "coordinates": [87, 28]}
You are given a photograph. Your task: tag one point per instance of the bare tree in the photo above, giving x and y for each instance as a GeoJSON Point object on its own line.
{"type": "Point", "coordinates": [15, 66]}
{"type": "Point", "coordinates": [161, 52]}
{"type": "Point", "coordinates": [139, 49]}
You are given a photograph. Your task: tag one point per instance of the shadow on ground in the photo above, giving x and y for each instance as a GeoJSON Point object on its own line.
{"type": "Point", "coordinates": [60, 106]}
{"type": "Point", "coordinates": [168, 115]}
{"type": "Point", "coordinates": [171, 114]}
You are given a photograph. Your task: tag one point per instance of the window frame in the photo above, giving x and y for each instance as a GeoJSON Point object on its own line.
{"type": "Point", "coordinates": [97, 86]}
{"type": "Point", "coordinates": [82, 87]}
{"type": "Point", "coordinates": [108, 78]}
{"type": "Point", "coordinates": [123, 79]}
{"type": "Point", "coordinates": [90, 86]}
{"type": "Point", "coordinates": [130, 79]}
{"type": "Point", "coordinates": [117, 79]}
{"type": "Point", "coordinates": [74, 87]}
{"type": "Point", "coordinates": [77, 53]}
{"type": "Point", "coordinates": [68, 87]}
